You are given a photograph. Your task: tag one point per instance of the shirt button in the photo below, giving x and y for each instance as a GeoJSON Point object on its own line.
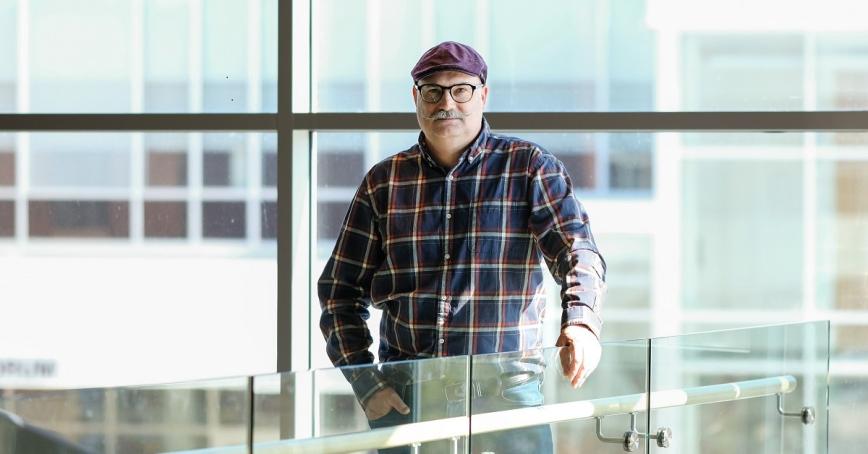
{"type": "Point", "coordinates": [441, 341]}
{"type": "Point", "coordinates": [452, 177]}
{"type": "Point", "coordinates": [448, 215]}
{"type": "Point", "coordinates": [442, 298]}
{"type": "Point", "coordinates": [447, 256]}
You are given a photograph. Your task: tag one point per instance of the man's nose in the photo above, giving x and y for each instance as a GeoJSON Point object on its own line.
{"type": "Point", "coordinates": [446, 102]}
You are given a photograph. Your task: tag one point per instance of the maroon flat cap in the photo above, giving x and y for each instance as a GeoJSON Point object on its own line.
{"type": "Point", "coordinates": [450, 56]}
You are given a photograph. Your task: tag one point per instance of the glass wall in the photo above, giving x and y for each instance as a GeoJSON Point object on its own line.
{"type": "Point", "coordinates": [636, 55]}
{"type": "Point", "coordinates": [137, 257]}
{"type": "Point", "coordinates": [700, 230]}
{"type": "Point", "coordinates": [734, 390]}
{"type": "Point", "coordinates": [138, 56]}
{"type": "Point", "coordinates": [125, 255]}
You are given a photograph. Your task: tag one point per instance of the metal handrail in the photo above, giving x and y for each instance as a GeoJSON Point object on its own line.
{"type": "Point", "coordinates": [447, 428]}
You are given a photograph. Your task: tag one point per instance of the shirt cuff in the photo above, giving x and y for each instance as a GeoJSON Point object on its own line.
{"type": "Point", "coordinates": [366, 383]}
{"type": "Point", "coordinates": [582, 315]}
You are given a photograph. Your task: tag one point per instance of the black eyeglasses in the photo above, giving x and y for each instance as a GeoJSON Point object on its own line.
{"type": "Point", "coordinates": [461, 93]}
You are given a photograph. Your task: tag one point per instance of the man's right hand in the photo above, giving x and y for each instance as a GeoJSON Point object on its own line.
{"type": "Point", "coordinates": [382, 402]}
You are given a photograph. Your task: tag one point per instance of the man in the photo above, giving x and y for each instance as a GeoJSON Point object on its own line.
{"type": "Point", "coordinates": [447, 239]}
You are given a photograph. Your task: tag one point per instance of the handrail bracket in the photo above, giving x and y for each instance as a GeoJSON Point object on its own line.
{"type": "Point", "coordinates": [630, 440]}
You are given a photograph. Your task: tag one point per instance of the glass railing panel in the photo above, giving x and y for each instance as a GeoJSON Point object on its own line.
{"type": "Point", "coordinates": [321, 410]}
{"type": "Point", "coordinates": [141, 419]}
{"type": "Point", "coordinates": [717, 391]}
{"type": "Point", "coordinates": [521, 401]}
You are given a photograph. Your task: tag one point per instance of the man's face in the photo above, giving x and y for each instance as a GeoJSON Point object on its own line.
{"type": "Point", "coordinates": [464, 120]}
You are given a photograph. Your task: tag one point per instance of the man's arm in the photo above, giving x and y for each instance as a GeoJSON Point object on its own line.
{"type": "Point", "coordinates": [561, 228]}
{"type": "Point", "coordinates": [344, 294]}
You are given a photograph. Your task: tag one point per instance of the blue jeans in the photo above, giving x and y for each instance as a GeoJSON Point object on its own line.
{"type": "Point", "coordinates": [429, 401]}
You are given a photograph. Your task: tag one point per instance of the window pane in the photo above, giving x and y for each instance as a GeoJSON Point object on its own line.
{"type": "Point", "coordinates": [223, 220]}
{"type": "Point", "coordinates": [86, 56]}
{"type": "Point", "coordinates": [842, 70]}
{"type": "Point", "coordinates": [269, 220]}
{"type": "Point", "coordinates": [629, 257]}
{"type": "Point", "coordinates": [225, 56]}
{"type": "Point", "coordinates": [8, 55]}
{"type": "Point", "coordinates": [269, 160]}
{"type": "Point", "coordinates": [624, 55]}
{"type": "Point", "coordinates": [843, 233]}
{"type": "Point", "coordinates": [269, 56]}
{"type": "Point", "coordinates": [167, 168]}
{"type": "Point", "coordinates": [166, 159]}
{"type": "Point", "coordinates": [81, 218]}
{"type": "Point", "coordinates": [165, 219]}
{"type": "Point", "coordinates": [7, 218]}
{"type": "Point", "coordinates": [80, 56]}
{"type": "Point", "coordinates": [116, 222]}
{"type": "Point", "coordinates": [742, 223]}
{"type": "Point", "coordinates": [744, 71]}
{"type": "Point", "coordinates": [269, 169]}
{"type": "Point", "coordinates": [7, 168]}
{"type": "Point", "coordinates": [80, 160]}
{"type": "Point", "coordinates": [167, 56]}
{"type": "Point", "coordinates": [224, 160]}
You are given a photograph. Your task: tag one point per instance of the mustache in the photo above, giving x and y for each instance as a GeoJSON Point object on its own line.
{"type": "Point", "coordinates": [446, 115]}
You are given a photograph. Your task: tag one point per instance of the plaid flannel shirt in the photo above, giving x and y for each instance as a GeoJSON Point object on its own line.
{"type": "Point", "coordinates": [452, 257]}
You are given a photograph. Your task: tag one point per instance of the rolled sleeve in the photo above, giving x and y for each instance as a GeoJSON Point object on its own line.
{"type": "Point", "coordinates": [562, 230]}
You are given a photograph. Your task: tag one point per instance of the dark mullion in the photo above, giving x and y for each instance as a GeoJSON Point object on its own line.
{"type": "Point", "coordinates": [514, 121]}
{"type": "Point", "coordinates": [285, 229]}
{"type": "Point", "coordinates": [138, 122]}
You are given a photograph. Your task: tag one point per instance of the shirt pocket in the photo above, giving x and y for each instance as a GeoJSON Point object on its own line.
{"type": "Point", "coordinates": [486, 231]}
{"type": "Point", "coordinates": [500, 231]}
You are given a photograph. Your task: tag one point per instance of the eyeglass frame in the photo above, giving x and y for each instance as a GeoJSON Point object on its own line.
{"type": "Point", "coordinates": [448, 88]}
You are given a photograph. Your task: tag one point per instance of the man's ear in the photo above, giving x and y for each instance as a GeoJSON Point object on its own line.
{"type": "Point", "coordinates": [484, 95]}
{"type": "Point", "coordinates": [413, 92]}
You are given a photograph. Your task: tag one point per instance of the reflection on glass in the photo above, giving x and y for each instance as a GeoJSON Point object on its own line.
{"type": "Point", "coordinates": [7, 218]}
{"type": "Point", "coordinates": [843, 236]}
{"type": "Point", "coordinates": [714, 392]}
{"type": "Point", "coordinates": [79, 56]}
{"type": "Point", "coordinates": [80, 160]}
{"type": "Point", "coordinates": [720, 71]}
{"type": "Point", "coordinates": [268, 221]}
{"type": "Point", "coordinates": [128, 57]}
{"type": "Point", "coordinates": [7, 167]}
{"type": "Point", "coordinates": [9, 57]}
{"type": "Point", "coordinates": [524, 380]}
{"type": "Point", "coordinates": [80, 218]}
{"type": "Point", "coordinates": [137, 420]}
{"type": "Point", "coordinates": [798, 351]}
{"type": "Point", "coordinates": [224, 58]}
{"type": "Point", "coordinates": [223, 219]}
{"type": "Point", "coordinates": [166, 160]}
{"type": "Point", "coordinates": [166, 56]}
{"type": "Point", "coordinates": [165, 219]}
{"type": "Point", "coordinates": [224, 160]}
{"type": "Point", "coordinates": [742, 222]}
{"type": "Point", "coordinates": [123, 223]}
{"type": "Point", "coordinates": [631, 255]}
{"type": "Point", "coordinates": [631, 55]}
{"type": "Point", "coordinates": [325, 405]}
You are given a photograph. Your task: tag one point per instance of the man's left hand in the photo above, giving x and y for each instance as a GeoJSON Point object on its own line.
{"type": "Point", "coordinates": [580, 354]}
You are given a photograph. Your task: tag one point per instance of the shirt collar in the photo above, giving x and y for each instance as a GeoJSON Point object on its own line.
{"type": "Point", "coordinates": [471, 154]}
